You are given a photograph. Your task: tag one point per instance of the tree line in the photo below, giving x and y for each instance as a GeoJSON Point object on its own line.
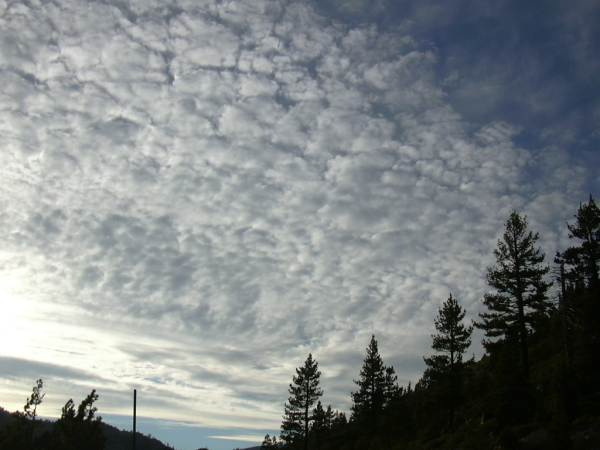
{"type": "Point", "coordinates": [536, 386]}
{"type": "Point", "coordinates": [77, 428]}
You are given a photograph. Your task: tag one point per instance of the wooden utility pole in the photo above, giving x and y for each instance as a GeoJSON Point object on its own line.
{"type": "Point", "coordinates": [134, 415]}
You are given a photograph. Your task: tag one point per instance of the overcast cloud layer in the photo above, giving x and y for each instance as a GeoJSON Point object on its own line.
{"type": "Point", "coordinates": [195, 195]}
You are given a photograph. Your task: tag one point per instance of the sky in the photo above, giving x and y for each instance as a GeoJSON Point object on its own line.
{"type": "Point", "coordinates": [194, 195]}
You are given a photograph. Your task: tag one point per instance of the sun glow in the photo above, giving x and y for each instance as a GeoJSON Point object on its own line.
{"type": "Point", "coordinates": [15, 314]}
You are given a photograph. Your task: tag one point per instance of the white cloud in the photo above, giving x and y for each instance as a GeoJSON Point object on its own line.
{"type": "Point", "coordinates": [241, 437]}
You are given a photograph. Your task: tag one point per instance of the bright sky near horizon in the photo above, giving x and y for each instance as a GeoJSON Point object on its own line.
{"type": "Point", "coordinates": [194, 195]}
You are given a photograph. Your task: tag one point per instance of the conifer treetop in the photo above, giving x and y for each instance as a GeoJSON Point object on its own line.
{"type": "Point", "coordinates": [453, 337]}
{"type": "Point", "coordinates": [376, 384]}
{"type": "Point", "coordinates": [518, 278]}
{"type": "Point", "coordinates": [586, 230]}
{"type": "Point", "coordinates": [304, 392]}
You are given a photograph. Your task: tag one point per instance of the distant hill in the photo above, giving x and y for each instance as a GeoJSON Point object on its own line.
{"type": "Point", "coordinates": [115, 439]}
{"type": "Point", "coordinates": [121, 440]}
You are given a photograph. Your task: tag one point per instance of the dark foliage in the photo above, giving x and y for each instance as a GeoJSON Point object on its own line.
{"type": "Point", "coordinates": [453, 338]}
{"type": "Point", "coordinates": [304, 392]}
{"type": "Point", "coordinates": [584, 257]}
{"type": "Point", "coordinates": [23, 430]}
{"type": "Point", "coordinates": [376, 386]}
{"type": "Point", "coordinates": [36, 398]}
{"type": "Point", "coordinates": [270, 442]}
{"type": "Point", "coordinates": [444, 375]}
{"type": "Point", "coordinates": [520, 300]}
{"type": "Point", "coordinates": [78, 428]}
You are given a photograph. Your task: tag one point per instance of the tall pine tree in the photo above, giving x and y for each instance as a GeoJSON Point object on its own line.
{"type": "Point", "coordinates": [376, 385]}
{"type": "Point", "coordinates": [304, 392]}
{"type": "Point", "coordinates": [580, 300]}
{"type": "Point", "coordinates": [321, 425]}
{"type": "Point", "coordinates": [585, 257]}
{"type": "Point", "coordinates": [452, 338]}
{"type": "Point", "coordinates": [518, 279]}
{"type": "Point", "coordinates": [444, 371]}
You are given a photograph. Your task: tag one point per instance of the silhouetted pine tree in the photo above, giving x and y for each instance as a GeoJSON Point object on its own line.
{"type": "Point", "coordinates": [321, 424]}
{"type": "Point", "coordinates": [377, 385]}
{"type": "Point", "coordinates": [81, 428]}
{"type": "Point", "coordinates": [391, 390]}
{"type": "Point", "coordinates": [338, 420]}
{"type": "Point", "coordinates": [566, 311]}
{"type": "Point", "coordinates": [22, 432]}
{"type": "Point", "coordinates": [580, 301]}
{"type": "Point", "coordinates": [304, 392]}
{"type": "Point", "coordinates": [319, 418]}
{"type": "Point", "coordinates": [586, 230]}
{"type": "Point", "coordinates": [34, 400]}
{"type": "Point", "coordinates": [269, 442]}
{"type": "Point", "coordinates": [520, 298]}
{"type": "Point", "coordinates": [329, 415]}
{"type": "Point", "coordinates": [452, 340]}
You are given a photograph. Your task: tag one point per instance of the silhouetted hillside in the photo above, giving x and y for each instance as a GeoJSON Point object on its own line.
{"type": "Point", "coordinates": [121, 440]}
{"type": "Point", "coordinates": [115, 439]}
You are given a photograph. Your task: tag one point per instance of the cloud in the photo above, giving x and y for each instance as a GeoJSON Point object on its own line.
{"type": "Point", "coordinates": [16, 368]}
{"type": "Point", "coordinates": [198, 195]}
{"type": "Point", "coordinates": [242, 438]}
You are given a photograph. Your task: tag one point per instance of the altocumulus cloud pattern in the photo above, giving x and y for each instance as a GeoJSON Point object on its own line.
{"type": "Point", "coordinates": [196, 194]}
